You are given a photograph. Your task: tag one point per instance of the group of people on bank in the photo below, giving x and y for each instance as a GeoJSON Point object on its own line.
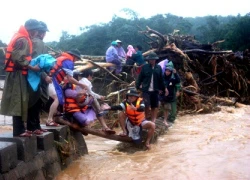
{"type": "Point", "coordinates": [123, 61]}
{"type": "Point", "coordinates": [32, 76]}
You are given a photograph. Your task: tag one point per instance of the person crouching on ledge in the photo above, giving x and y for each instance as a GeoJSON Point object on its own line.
{"type": "Point", "coordinates": [132, 120]}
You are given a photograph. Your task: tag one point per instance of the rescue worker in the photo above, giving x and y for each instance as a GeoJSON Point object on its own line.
{"type": "Point", "coordinates": [63, 68]}
{"type": "Point", "coordinates": [15, 93]}
{"type": "Point", "coordinates": [173, 112]}
{"type": "Point", "coordinates": [39, 97]}
{"type": "Point", "coordinates": [133, 108]}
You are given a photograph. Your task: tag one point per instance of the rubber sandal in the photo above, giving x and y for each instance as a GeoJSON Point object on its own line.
{"type": "Point", "coordinates": [29, 132]}
{"type": "Point", "coordinates": [43, 130]}
{"type": "Point", "coordinates": [37, 132]}
{"type": "Point", "coordinates": [25, 134]}
{"type": "Point", "coordinates": [122, 134]}
{"type": "Point", "coordinates": [52, 123]}
{"type": "Point", "coordinates": [108, 131]}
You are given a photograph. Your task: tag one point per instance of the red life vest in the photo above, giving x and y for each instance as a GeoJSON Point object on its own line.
{"type": "Point", "coordinates": [57, 69]}
{"type": "Point", "coordinates": [70, 104]}
{"type": "Point", "coordinates": [9, 65]}
{"type": "Point", "coordinates": [134, 116]}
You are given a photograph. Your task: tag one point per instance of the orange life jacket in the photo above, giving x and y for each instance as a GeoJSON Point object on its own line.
{"type": "Point", "coordinates": [57, 69]}
{"type": "Point", "coordinates": [9, 65]}
{"type": "Point", "coordinates": [134, 116]}
{"type": "Point", "coordinates": [70, 104]}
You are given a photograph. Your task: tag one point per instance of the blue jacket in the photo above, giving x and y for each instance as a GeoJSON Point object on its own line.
{"type": "Point", "coordinates": [46, 62]}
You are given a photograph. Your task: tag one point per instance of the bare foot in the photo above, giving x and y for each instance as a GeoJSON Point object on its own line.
{"type": "Point", "coordinates": [147, 145]}
{"type": "Point", "coordinates": [166, 124]}
{"type": "Point", "coordinates": [108, 130]}
{"type": "Point", "coordinates": [123, 134]}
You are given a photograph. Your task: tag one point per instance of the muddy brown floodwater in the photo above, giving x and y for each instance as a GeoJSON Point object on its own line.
{"type": "Point", "coordinates": [208, 147]}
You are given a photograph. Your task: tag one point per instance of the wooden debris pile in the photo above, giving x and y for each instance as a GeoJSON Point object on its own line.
{"type": "Point", "coordinates": [209, 75]}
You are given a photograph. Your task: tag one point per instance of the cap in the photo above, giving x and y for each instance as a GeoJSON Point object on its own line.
{"type": "Point", "coordinates": [44, 26]}
{"type": "Point", "coordinates": [32, 24]}
{"type": "Point", "coordinates": [118, 41]}
{"type": "Point", "coordinates": [132, 92]}
{"type": "Point", "coordinates": [75, 53]}
{"type": "Point", "coordinates": [152, 56]}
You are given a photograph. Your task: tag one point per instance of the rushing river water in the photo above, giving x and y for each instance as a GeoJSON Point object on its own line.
{"type": "Point", "coordinates": [208, 147]}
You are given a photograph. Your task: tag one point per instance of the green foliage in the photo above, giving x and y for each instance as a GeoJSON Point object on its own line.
{"type": "Point", "coordinates": [95, 39]}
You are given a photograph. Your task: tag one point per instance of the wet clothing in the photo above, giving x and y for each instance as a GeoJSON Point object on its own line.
{"type": "Point", "coordinates": [38, 93]}
{"type": "Point", "coordinates": [15, 93]}
{"type": "Point", "coordinates": [121, 53]}
{"type": "Point", "coordinates": [135, 58]}
{"type": "Point", "coordinates": [83, 116]}
{"type": "Point", "coordinates": [173, 112]}
{"type": "Point", "coordinates": [130, 51]}
{"type": "Point", "coordinates": [136, 117]}
{"type": "Point", "coordinates": [147, 74]}
{"type": "Point", "coordinates": [38, 47]}
{"type": "Point", "coordinates": [63, 67]}
{"type": "Point", "coordinates": [125, 106]}
{"type": "Point", "coordinates": [151, 81]}
{"type": "Point", "coordinates": [89, 84]}
{"type": "Point", "coordinates": [133, 127]}
{"type": "Point", "coordinates": [138, 58]}
{"type": "Point", "coordinates": [10, 64]}
{"type": "Point", "coordinates": [170, 84]}
{"type": "Point", "coordinates": [45, 62]}
{"type": "Point", "coordinates": [151, 98]}
{"type": "Point", "coordinates": [112, 57]}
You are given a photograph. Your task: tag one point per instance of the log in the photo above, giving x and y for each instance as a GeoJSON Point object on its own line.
{"type": "Point", "coordinates": [223, 100]}
{"type": "Point", "coordinates": [90, 64]}
{"type": "Point", "coordinates": [207, 52]}
{"type": "Point", "coordinates": [99, 133]}
{"type": "Point", "coordinates": [93, 58]}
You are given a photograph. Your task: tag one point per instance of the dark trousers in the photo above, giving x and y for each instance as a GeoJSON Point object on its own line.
{"type": "Point", "coordinates": [33, 121]}
{"type": "Point", "coordinates": [18, 125]}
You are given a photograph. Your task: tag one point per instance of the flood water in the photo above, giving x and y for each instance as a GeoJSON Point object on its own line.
{"type": "Point", "coordinates": [208, 147]}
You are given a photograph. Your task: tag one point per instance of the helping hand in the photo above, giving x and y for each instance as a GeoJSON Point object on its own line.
{"type": "Point", "coordinates": [35, 68]}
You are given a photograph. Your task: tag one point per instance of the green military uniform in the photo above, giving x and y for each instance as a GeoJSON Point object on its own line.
{"type": "Point", "coordinates": [15, 94]}
{"type": "Point", "coordinates": [173, 112]}
{"type": "Point", "coordinates": [42, 92]}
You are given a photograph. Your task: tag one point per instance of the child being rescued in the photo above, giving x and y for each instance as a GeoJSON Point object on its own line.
{"type": "Point", "coordinates": [133, 108]}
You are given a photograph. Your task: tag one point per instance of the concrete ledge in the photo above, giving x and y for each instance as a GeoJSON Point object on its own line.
{"type": "Point", "coordinates": [81, 148]}
{"type": "Point", "coordinates": [60, 132]}
{"type": "Point", "coordinates": [39, 157]}
{"type": "Point", "coordinates": [45, 141]}
{"type": "Point", "coordinates": [8, 156]}
{"type": "Point", "coordinates": [26, 146]}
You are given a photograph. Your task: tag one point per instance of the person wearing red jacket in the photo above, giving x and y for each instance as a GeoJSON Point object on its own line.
{"type": "Point", "coordinates": [15, 93]}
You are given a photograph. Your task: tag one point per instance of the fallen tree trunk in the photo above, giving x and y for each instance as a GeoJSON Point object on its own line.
{"type": "Point", "coordinates": [206, 52]}
{"type": "Point", "coordinates": [89, 64]}
{"type": "Point", "coordinates": [93, 58]}
{"type": "Point", "coordinates": [99, 133]}
{"type": "Point", "coordinates": [222, 100]}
